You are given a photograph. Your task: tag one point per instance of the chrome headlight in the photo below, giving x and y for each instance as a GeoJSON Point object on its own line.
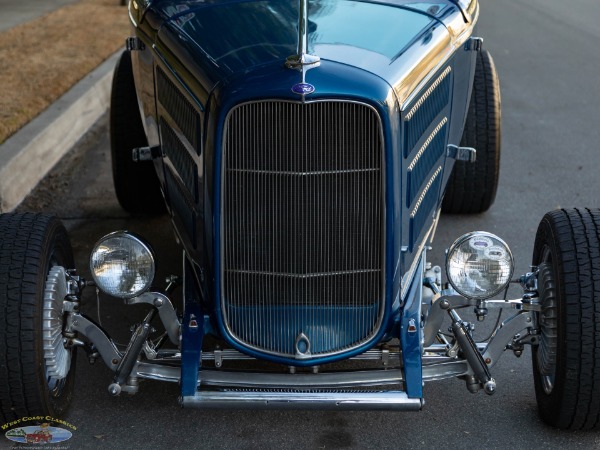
{"type": "Point", "coordinates": [479, 265]}
{"type": "Point", "coordinates": [122, 265]}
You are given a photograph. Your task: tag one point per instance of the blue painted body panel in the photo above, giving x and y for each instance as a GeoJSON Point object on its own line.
{"type": "Point", "coordinates": [192, 334]}
{"type": "Point", "coordinates": [223, 53]}
{"type": "Point", "coordinates": [410, 336]}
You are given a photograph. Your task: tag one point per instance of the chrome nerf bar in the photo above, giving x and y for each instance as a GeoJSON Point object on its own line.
{"type": "Point", "coordinates": [346, 401]}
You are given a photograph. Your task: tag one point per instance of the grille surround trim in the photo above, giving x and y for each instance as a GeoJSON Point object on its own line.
{"type": "Point", "coordinates": [382, 303]}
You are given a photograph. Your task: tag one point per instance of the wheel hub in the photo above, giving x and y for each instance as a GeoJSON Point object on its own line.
{"type": "Point", "coordinates": [548, 319]}
{"type": "Point", "coordinates": [56, 356]}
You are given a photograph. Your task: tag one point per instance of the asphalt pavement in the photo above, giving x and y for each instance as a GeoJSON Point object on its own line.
{"type": "Point", "coordinates": [548, 60]}
{"type": "Point", "coordinates": [15, 12]}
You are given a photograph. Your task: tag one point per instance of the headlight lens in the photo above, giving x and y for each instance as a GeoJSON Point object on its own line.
{"type": "Point", "coordinates": [122, 265]}
{"type": "Point", "coordinates": [479, 265]}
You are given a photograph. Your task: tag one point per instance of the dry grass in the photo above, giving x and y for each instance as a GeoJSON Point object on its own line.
{"type": "Point", "coordinates": [40, 60]}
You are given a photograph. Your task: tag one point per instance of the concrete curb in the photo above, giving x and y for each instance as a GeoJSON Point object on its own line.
{"type": "Point", "coordinates": [27, 156]}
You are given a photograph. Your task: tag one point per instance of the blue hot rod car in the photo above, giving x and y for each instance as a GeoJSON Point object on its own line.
{"type": "Point", "coordinates": [304, 153]}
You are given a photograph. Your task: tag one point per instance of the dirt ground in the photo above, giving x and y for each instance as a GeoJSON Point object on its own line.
{"type": "Point", "coordinates": [42, 59]}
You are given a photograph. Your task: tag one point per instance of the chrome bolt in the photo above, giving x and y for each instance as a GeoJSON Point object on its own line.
{"type": "Point", "coordinates": [490, 387]}
{"type": "Point", "coordinates": [114, 389]}
{"type": "Point", "coordinates": [158, 302]}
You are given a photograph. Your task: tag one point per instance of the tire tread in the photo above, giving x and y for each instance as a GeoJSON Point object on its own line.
{"type": "Point", "coordinates": [136, 183]}
{"type": "Point", "coordinates": [472, 186]}
{"type": "Point", "coordinates": [576, 235]}
{"type": "Point", "coordinates": [23, 248]}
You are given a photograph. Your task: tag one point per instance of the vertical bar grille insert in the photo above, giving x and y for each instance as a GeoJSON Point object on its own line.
{"type": "Point", "coordinates": [302, 226]}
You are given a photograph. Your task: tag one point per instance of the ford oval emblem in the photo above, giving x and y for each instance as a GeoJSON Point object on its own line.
{"type": "Point", "coordinates": [303, 88]}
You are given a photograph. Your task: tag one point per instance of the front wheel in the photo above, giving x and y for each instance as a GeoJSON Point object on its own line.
{"type": "Point", "coordinates": [472, 185]}
{"type": "Point", "coordinates": [136, 183]}
{"type": "Point", "coordinates": [566, 363]}
{"type": "Point", "coordinates": [36, 370]}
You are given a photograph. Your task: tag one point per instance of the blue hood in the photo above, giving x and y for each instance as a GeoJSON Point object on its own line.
{"type": "Point", "coordinates": [233, 37]}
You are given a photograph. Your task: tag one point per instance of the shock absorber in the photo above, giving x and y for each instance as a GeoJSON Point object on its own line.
{"type": "Point", "coordinates": [134, 348]}
{"type": "Point", "coordinates": [469, 349]}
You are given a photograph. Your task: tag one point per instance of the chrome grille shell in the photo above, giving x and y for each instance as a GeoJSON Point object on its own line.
{"type": "Point", "coordinates": [287, 194]}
